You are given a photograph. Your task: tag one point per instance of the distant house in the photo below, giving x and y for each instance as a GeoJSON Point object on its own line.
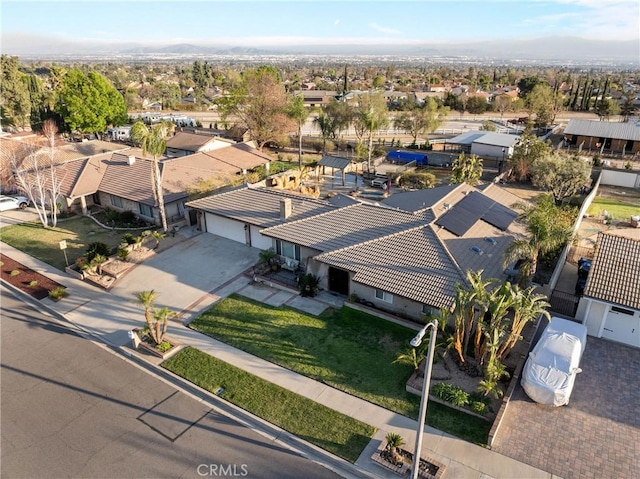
{"type": "Point", "coordinates": [313, 98]}
{"type": "Point", "coordinates": [601, 136]}
{"type": "Point", "coordinates": [183, 143]}
{"type": "Point", "coordinates": [405, 255]}
{"type": "Point", "coordinates": [611, 302]}
{"type": "Point", "coordinates": [486, 144]}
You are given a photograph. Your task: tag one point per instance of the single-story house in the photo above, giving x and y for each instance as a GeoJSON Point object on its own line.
{"type": "Point", "coordinates": [183, 143]}
{"type": "Point", "coordinates": [610, 306]}
{"type": "Point", "coordinates": [405, 254]}
{"type": "Point", "coordinates": [603, 136]}
{"type": "Point", "coordinates": [122, 180]}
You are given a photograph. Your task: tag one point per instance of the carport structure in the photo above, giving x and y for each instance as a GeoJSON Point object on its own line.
{"type": "Point", "coordinates": [334, 162]}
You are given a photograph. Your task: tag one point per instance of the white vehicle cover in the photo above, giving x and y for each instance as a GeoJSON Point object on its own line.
{"type": "Point", "coordinates": [551, 368]}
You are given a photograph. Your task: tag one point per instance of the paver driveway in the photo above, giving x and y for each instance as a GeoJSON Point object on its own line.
{"type": "Point", "coordinates": [597, 435]}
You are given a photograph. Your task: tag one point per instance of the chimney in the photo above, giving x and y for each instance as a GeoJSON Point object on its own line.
{"type": "Point", "coordinates": [285, 208]}
{"type": "Point", "coordinates": [131, 160]}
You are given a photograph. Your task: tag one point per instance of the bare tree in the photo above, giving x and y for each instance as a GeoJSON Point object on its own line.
{"type": "Point", "coordinates": [39, 175]}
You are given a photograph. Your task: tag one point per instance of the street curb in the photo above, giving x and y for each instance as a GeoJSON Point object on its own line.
{"type": "Point", "coordinates": [294, 443]}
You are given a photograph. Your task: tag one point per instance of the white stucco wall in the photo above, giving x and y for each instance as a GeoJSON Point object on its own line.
{"type": "Point", "coordinates": [627, 179]}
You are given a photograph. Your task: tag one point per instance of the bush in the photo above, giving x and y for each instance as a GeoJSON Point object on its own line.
{"type": "Point", "coordinates": [128, 238]}
{"type": "Point", "coordinates": [418, 180]}
{"type": "Point", "coordinates": [479, 407]}
{"type": "Point", "coordinates": [95, 249]}
{"type": "Point", "coordinates": [58, 293]}
{"type": "Point", "coordinates": [123, 253]}
{"type": "Point", "coordinates": [33, 283]}
{"type": "Point", "coordinates": [452, 394]}
{"type": "Point", "coordinates": [15, 272]}
{"type": "Point", "coordinates": [128, 217]}
{"type": "Point", "coordinates": [164, 346]}
{"type": "Point", "coordinates": [309, 285]}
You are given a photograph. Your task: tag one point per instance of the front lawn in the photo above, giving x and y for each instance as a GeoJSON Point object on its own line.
{"type": "Point", "coordinates": [617, 209]}
{"type": "Point", "coordinates": [346, 349]}
{"type": "Point", "coordinates": [44, 243]}
{"type": "Point", "coordinates": [339, 434]}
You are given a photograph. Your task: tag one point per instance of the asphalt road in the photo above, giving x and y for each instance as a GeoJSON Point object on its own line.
{"type": "Point", "coordinates": [72, 409]}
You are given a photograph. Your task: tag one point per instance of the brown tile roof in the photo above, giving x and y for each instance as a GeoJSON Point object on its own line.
{"type": "Point", "coordinates": [258, 206]}
{"type": "Point", "coordinates": [132, 182]}
{"type": "Point", "coordinates": [346, 226]}
{"type": "Point", "coordinates": [615, 271]}
{"type": "Point", "coordinates": [412, 264]}
{"type": "Point", "coordinates": [240, 156]}
{"type": "Point", "coordinates": [190, 141]}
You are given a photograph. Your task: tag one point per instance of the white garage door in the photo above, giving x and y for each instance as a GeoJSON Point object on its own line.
{"type": "Point", "coordinates": [234, 230]}
{"type": "Point", "coordinates": [622, 325]}
{"type": "Point", "coordinates": [259, 241]}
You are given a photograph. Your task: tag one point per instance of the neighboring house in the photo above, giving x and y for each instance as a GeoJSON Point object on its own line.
{"type": "Point", "coordinates": [603, 136]}
{"type": "Point", "coordinates": [610, 307]}
{"type": "Point", "coordinates": [405, 254]}
{"type": "Point", "coordinates": [123, 180]}
{"type": "Point", "coordinates": [183, 143]}
{"type": "Point", "coordinates": [486, 144]}
{"type": "Point", "coordinates": [312, 98]}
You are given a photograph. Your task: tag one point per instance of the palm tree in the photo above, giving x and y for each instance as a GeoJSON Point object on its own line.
{"type": "Point", "coordinates": [527, 305]}
{"type": "Point", "coordinates": [152, 140]}
{"type": "Point", "coordinates": [161, 317]}
{"type": "Point", "coordinates": [299, 114]}
{"type": "Point", "coordinates": [548, 229]}
{"type": "Point", "coordinates": [326, 129]}
{"type": "Point", "coordinates": [147, 300]}
{"type": "Point", "coordinates": [157, 235]}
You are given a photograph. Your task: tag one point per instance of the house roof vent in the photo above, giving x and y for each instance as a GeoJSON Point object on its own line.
{"type": "Point", "coordinates": [131, 160]}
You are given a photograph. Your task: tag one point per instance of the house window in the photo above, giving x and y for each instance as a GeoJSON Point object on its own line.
{"type": "Point", "coordinates": [116, 201]}
{"type": "Point", "coordinates": [145, 210]}
{"type": "Point", "coordinates": [288, 250]}
{"type": "Point", "coordinates": [384, 296]}
{"type": "Point", "coordinates": [429, 310]}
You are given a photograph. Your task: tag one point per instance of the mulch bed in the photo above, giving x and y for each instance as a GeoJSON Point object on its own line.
{"type": "Point", "coordinates": [26, 276]}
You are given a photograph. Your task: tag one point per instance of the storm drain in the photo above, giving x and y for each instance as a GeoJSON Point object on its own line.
{"type": "Point", "coordinates": [174, 415]}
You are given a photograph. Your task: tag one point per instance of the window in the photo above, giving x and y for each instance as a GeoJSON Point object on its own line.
{"type": "Point", "coordinates": [429, 310]}
{"type": "Point", "coordinates": [145, 210]}
{"type": "Point", "coordinates": [288, 250]}
{"type": "Point", "coordinates": [116, 201]}
{"type": "Point", "coordinates": [384, 296]}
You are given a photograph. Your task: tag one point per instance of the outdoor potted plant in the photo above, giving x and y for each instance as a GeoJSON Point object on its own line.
{"type": "Point", "coordinates": [270, 258]}
{"type": "Point", "coordinates": [153, 337]}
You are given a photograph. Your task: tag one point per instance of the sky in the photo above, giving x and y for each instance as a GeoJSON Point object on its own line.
{"type": "Point", "coordinates": [263, 23]}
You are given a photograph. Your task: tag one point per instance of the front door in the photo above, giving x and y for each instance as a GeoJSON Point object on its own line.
{"type": "Point", "coordinates": [338, 281]}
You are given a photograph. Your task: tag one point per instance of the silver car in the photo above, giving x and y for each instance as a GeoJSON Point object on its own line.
{"type": "Point", "coordinates": [13, 202]}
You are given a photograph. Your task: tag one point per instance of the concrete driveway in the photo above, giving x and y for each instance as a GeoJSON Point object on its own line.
{"type": "Point", "coordinates": [189, 277]}
{"type": "Point", "coordinates": [14, 217]}
{"type": "Point", "coordinates": [597, 435]}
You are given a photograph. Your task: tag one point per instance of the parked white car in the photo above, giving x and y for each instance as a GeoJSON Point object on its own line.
{"type": "Point", "coordinates": [550, 371]}
{"type": "Point", "coordinates": [13, 202]}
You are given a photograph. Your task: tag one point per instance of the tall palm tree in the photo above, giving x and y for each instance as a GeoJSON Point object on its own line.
{"type": "Point", "coordinates": [327, 129]}
{"type": "Point", "coordinates": [147, 300]}
{"type": "Point", "coordinates": [548, 230]}
{"type": "Point", "coordinates": [153, 142]}
{"type": "Point", "coordinates": [298, 112]}
{"type": "Point", "coordinates": [527, 305]}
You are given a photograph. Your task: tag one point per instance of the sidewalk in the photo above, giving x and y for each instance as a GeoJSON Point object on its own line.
{"type": "Point", "coordinates": [108, 318]}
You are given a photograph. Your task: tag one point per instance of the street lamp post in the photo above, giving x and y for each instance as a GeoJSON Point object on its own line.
{"type": "Point", "coordinates": [415, 342]}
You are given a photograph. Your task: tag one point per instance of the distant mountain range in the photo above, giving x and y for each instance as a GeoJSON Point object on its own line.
{"type": "Point", "coordinates": [571, 49]}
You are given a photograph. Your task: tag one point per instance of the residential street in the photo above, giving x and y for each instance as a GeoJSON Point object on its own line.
{"type": "Point", "coordinates": [72, 409]}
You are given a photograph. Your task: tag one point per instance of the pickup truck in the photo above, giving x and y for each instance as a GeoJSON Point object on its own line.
{"type": "Point", "coordinates": [380, 181]}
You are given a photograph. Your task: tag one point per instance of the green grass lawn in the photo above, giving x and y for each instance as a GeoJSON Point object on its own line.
{"type": "Point", "coordinates": [619, 210]}
{"type": "Point", "coordinates": [339, 434]}
{"type": "Point", "coordinates": [346, 349]}
{"type": "Point", "coordinates": [44, 243]}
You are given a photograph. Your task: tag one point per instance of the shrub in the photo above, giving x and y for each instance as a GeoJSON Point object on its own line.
{"type": "Point", "coordinates": [164, 346]}
{"type": "Point", "coordinates": [128, 217]}
{"type": "Point", "coordinates": [418, 180]}
{"type": "Point", "coordinates": [309, 285]}
{"type": "Point", "coordinates": [15, 272]}
{"type": "Point", "coordinates": [479, 407]}
{"type": "Point", "coordinates": [123, 253]}
{"type": "Point", "coordinates": [33, 283]}
{"type": "Point", "coordinates": [58, 293]}
{"type": "Point", "coordinates": [450, 393]}
{"type": "Point", "coordinates": [128, 238]}
{"type": "Point", "coordinates": [95, 249]}
{"type": "Point", "coordinates": [82, 263]}
{"type": "Point", "coordinates": [1, 264]}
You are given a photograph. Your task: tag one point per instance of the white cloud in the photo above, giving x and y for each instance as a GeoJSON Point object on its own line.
{"type": "Point", "coordinates": [380, 28]}
{"type": "Point", "coordinates": [337, 21]}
